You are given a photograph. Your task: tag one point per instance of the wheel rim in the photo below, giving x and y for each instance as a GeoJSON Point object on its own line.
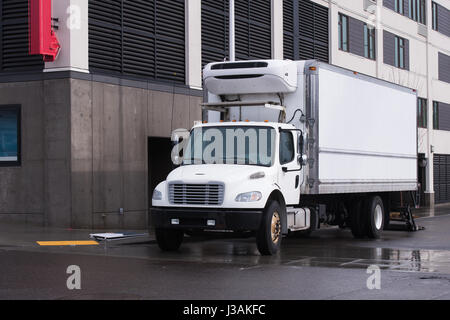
{"type": "Point", "coordinates": [276, 227]}
{"type": "Point", "coordinates": [378, 216]}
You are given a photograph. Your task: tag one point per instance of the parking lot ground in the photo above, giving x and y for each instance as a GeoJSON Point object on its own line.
{"type": "Point", "coordinates": [328, 265]}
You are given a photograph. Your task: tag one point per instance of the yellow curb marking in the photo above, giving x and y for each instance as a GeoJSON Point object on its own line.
{"type": "Point", "coordinates": [67, 243]}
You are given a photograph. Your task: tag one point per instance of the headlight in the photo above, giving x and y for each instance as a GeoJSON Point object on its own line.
{"type": "Point", "coordinates": [249, 197]}
{"type": "Point", "coordinates": [157, 195]}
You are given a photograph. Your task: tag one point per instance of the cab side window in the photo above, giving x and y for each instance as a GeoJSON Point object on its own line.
{"type": "Point", "coordinates": [287, 150]}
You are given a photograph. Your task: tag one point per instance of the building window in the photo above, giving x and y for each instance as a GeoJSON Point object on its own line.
{"type": "Point", "coordinates": [435, 115]}
{"type": "Point", "coordinates": [398, 5]}
{"type": "Point", "coordinates": [422, 113]}
{"type": "Point", "coordinates": [417, 10]}
{"type": "Point", "coordinates": [435, 16]}
{"type": "Point", "coordinates": [10, 136]}
{"type": "Point", "coordinates": [343, 32]}
{"type": "Point", "coordinates": [400, 50]}
{"type": "Point", "coordinates": [369, 42]}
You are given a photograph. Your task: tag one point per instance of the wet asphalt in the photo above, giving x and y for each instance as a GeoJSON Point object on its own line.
{"type": "Point", "coordinates": [328, 265]}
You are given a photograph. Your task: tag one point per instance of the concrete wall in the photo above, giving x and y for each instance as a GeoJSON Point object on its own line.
{"type": "Point", "coordinates": [84, 151]}
{"type": "Point", "coordinates": [110, 129]}
{"type": "Point", "coordinates": [38, 191]}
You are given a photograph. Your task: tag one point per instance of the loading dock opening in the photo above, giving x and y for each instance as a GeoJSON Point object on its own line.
{"type": "Point", "coordinates": [159, 162]}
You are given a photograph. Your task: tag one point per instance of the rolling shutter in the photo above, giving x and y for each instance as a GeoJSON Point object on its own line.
{"type": "Point", "coordinates": [390, 4]}
{"type": "Point", "coordinates": [306, 34]}
{"type": "Point", "coordinates": [441, 174]}
{"type": "Point", "coordinates": [138, 38]}
{"type": "Point", "coordinates": [253, 30]}
{"type": "Point", "coordinates": [444, 67]}
{"type": "Point", "coordinates": [443, 18]}
{"type": "Point", "coordinates": [356, 36]}
{"type": "Point", "coordinates": [14, 38]}
{"type": "Point", "coordinates": [444, 116]}
{"type": "Point", "coordinates": [389, 48]}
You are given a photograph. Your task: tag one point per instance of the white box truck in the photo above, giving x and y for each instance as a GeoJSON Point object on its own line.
{"type": "Point", "coordinates": [286, 146]}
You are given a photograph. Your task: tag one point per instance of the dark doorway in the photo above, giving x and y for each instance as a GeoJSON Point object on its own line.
{"type": "Point", "coordinates": [159, 162]}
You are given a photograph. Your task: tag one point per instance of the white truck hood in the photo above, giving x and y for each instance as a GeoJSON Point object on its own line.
{"type": "Point", "coordinates": [214, 172]}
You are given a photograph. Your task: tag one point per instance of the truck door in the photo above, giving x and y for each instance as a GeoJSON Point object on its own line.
{"type": "Point", "coordinates": [289, 173]}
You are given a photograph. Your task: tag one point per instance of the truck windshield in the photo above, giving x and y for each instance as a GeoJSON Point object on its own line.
{"type": "Point", "coordinates": [241, 145]}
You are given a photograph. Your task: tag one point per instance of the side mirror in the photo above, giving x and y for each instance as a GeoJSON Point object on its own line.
{"type": "Point", "coordinates": [302, 158]}
{"type": "Point", "coordinates": [301, 143]}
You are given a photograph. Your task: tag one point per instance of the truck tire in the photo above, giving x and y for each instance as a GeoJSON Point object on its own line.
{"type": "Point", "coordinates": [376, 216]}
{"type": "Point", "coordinates": [268, 237]}
{"type": "Point", "coordinates": [358, 219]}
{"type": "Point", "coordinates": [169, 240]}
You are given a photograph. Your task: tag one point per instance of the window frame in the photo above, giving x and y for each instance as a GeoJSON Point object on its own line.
{"type": "Point", "coordinates": [369, 42]}
{"type": "Point", "coordinates": [435, 21]}
{"type": "Point", "coordinates": [293, 147]}
{"type": "Point", "coordinates": [400, 53]}
{"type": "Point", "coordinates": [18, 110]}
{"type": "Point", "coordinates": [422, 113]}
{"type": "Point", "coordinates": [435, 115]}
{"type": "Point", "coordinates": [418, 11]}
{"type": "Point", "coordinates": [341, 33]}
{"type": "Point", "coordinates": [399, 6]}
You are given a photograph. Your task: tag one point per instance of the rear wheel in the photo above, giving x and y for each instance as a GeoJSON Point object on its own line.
{"type": "Point", "coordinates": [168, 239]}
{"type": "Point", "coordinates": [376, 216]}
{"type": "Point", "coordinates": [268, 238]}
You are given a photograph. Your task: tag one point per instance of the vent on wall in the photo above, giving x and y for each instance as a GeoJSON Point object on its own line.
{"type": "Point", "coordinates": [139, 38]}
{"type": "Point", "coordinates": [14, 40]}
{"type": "Point", "coordinates": [253, 30]}
{"type": "Point", "coordinates": [305, 30]}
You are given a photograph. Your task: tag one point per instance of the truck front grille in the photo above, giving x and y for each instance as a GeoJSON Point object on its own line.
{"type": "Point", "coordinates": [196, 194]}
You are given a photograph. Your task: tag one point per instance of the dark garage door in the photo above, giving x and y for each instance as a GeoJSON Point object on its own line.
{"type": "Point", "coordinates": [442, 178]}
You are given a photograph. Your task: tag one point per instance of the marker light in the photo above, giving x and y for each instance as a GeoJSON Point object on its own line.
{"type": "Point", "coordinates": [157, 195]}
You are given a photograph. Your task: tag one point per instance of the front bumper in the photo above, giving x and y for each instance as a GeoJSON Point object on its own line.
{"type": "Point", "coordinates": [196, 218]}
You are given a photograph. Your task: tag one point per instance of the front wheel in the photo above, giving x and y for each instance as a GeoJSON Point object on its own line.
{"type": "Point", "coordinates": [268, 238]}
{"type": "Point", "coordinates": [169, 240]}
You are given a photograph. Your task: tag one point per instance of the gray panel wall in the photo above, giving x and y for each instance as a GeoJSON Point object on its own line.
{"type": "Point", "coordinates": [390, 4]}
{"type": "Point", "coordinates": [443, 20]}
{"type": "Point", "coordinates": [110, 129]}
{"type": "Point", "coordinates": [444, 116]}
{"type": "Point", "coordinates": [389, 48]}
{"type": "Point", "coordinates": [444, 67]}
{"type": "Point", "coordinates": [406, 8]}
{"type": "Point", "coordinates": [84, 151]}
{"type": "Point", "coordinates": [356, 36]}
{"type": "Point", "coordinates": [38, 192]}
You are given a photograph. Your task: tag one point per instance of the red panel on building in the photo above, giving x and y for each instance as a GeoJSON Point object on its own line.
{"type": "Point", "coordinates": [42, 38]}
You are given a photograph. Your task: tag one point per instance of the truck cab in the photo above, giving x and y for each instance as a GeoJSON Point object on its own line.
{"type": "Point", "coordinates": [238, 190]}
